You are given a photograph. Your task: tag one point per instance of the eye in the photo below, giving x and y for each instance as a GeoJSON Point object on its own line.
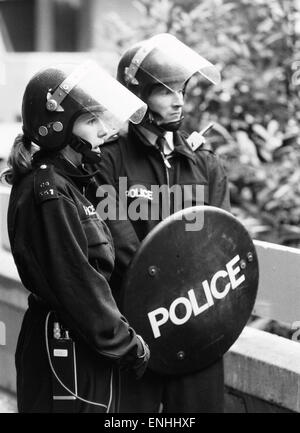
{"type": "Point", "coordinates": [166, 91]}
{"type": "Point", "coordinates": [178, 92]}
{"type": "Point", "coordinates": [92, 120]}
{"type": "Point", "coordinates": [160, 89]}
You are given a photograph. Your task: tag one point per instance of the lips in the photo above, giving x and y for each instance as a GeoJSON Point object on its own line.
{"type": "Point", "coordinates": [177, 114]}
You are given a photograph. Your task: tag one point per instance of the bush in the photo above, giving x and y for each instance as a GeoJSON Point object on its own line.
{"type": "Point", "coordinates": [256, 107]}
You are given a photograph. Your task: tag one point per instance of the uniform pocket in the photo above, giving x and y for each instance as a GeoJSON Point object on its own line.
{"type": "Point", "coordinates": [101, 253]}
{"type": "Point", "coordinates": [93, 231]}
{"type": "Point", "coordinates": [98, 238]}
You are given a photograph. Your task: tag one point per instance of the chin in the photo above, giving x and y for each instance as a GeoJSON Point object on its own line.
{"type": "Point", "coordinates": [172, 126]}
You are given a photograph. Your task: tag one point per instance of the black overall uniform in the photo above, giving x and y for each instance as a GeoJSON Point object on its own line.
{"type": "Point", "coordinates": [64, 255]}
{"type": "Point", "coordinates": [142, 165]}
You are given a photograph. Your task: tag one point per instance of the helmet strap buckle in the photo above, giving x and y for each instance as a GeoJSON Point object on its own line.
{"type": "Point", "coordinates": [85, 149]}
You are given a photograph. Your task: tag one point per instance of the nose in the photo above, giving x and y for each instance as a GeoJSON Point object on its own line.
{"type": "Point", "coordinates": [102, 129]}
{"type": "Point", "coordinates": [178, 98]}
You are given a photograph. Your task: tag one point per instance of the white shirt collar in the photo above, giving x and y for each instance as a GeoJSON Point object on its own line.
{"type": "Point", "coordinates": [169, 147]}
{"type": "Point", "coordinates": [151, 137]}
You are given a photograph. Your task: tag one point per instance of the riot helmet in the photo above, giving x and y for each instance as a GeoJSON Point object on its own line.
{"type": "Point", "coordinates": [163, 60]}
{"type": "Point", "coordinates": [56, 96]}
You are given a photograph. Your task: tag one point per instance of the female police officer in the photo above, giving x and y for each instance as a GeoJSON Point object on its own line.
{"type": "Point", "coordinates": [73, 338]}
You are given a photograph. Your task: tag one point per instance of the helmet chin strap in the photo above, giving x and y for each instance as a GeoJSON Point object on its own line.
{"type": "Point", "coordinates": [154, 123]}
{"type": "Point", "coordinates": [85, 149]}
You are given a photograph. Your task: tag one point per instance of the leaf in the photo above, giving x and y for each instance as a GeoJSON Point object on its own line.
{"type": "Point", "coordinates": [265, 26]}
{"type": "Point", "coordinates": [284, 189]}
{"type": "Point", "coordinates": [247, 148]}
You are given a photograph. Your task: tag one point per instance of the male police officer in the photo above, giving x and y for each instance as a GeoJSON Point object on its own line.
{"type": "Point", "coordinates": [156, 153]}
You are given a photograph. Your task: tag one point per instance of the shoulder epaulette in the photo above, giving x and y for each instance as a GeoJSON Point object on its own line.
{"type": "Point", "coordinates": [44, 183]}
{"type": "Point", "coordinates": [201, 148]}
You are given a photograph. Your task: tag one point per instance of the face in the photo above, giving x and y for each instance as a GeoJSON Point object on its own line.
{"type": "Point", "coordinates": [91, 128]}
{"type": "Point", "coordinates": [167, 103]}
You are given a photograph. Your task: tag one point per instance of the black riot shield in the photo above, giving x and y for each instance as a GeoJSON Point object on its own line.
{"type": "Point", "coordinates": [190, 289]}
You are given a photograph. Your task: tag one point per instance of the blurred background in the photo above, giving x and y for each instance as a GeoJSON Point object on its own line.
{"type": "Point", "coordinates": [256, 45]}
{"type": "Point", "coordinates": [255, 109]}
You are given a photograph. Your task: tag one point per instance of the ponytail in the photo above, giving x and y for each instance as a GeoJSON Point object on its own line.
{"type": "Point", "coordinates": [19, 160]}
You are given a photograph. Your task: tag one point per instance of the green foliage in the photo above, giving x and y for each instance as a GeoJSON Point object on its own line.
{"type": "Point", "coordinates": [255, 43]}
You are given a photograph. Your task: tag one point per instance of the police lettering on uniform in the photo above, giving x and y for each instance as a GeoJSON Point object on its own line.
{"type": "Point", "coordinates": [73, 339]}
{"type": "Point", "coordinates": [135, 192]}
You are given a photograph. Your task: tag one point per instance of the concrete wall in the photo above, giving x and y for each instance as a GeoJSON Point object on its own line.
{"type": "Point", "coordinates": [13, 303]}
{"type": "Point", "coordinates": [279, 275]}
{"type": "Point", "coordinates": [262, 373]}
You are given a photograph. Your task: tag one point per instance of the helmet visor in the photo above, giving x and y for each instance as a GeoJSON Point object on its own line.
{"type": "Point", "coordinates": [94, 89]}
{"type": "Point", "coordinates": [170, 62]}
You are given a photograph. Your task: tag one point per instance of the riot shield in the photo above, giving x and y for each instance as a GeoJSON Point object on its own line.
{"type": "Point", "coordinates": [190, 293]}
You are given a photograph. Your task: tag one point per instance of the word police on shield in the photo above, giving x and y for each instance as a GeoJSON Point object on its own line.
{"type": "Point", "coordinates": [190, 293]}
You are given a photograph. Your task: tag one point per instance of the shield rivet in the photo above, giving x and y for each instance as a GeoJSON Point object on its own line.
{"type": "Point", "coordinates": [181, 355]}
{"type": "Point", "coordinates": [152, 270]}
{"type": "Point", "coordinates": [250, 257]}
{"type": "Point", "coordinates": [243, 264]}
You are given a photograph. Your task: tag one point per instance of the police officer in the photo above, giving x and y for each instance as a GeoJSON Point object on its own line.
{"type": "Point", "coordinates": [73, 339]}
{"type": "Point", "coordinates": [156, 153]}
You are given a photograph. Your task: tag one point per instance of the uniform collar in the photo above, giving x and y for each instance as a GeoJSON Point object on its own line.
{"type": "Point", "coordinates": [179, 143]}
{"type": "Point", "coordinates": [152, 138]}
{"type": "Point", "coordinates": [181, 146]}
{"type": "Point", "coordinates": [169, 136]}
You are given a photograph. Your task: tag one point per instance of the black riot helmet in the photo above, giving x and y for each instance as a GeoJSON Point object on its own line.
{"type": "Point", "coordinates": [56, 96]}
{"type": "Point", "coordinates": [164, 60]}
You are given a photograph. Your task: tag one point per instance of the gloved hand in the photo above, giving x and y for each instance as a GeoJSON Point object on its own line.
{"type": "Point", "coordinates": [143, 356]}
